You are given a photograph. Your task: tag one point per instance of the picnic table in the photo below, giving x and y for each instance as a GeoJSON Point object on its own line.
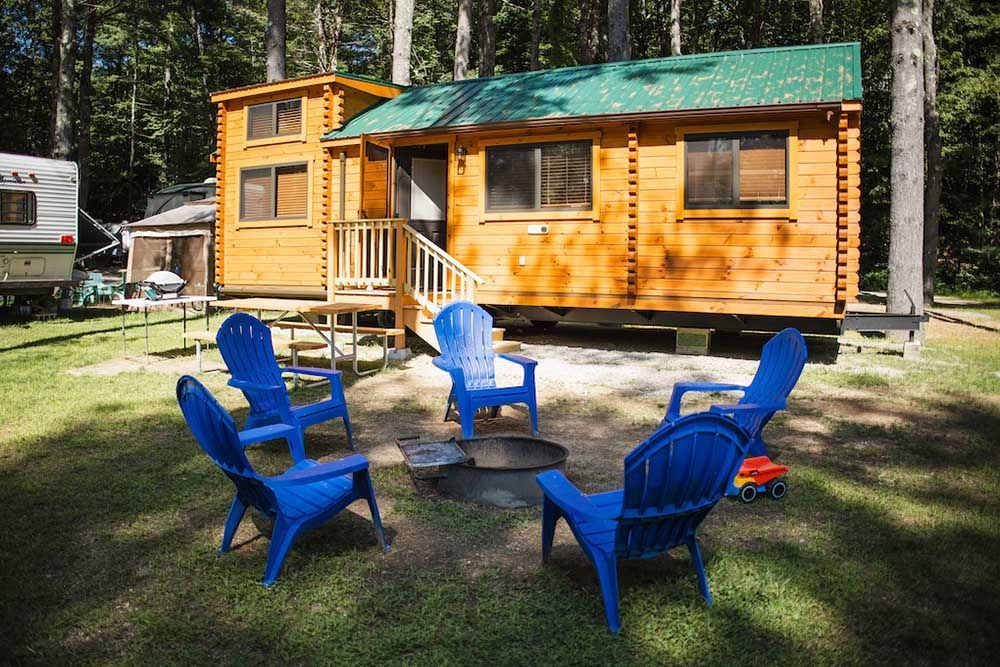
{"type": "Point", "coordinates": [145, 305]}
{"type": "Point", "coordinates": [309, 311]}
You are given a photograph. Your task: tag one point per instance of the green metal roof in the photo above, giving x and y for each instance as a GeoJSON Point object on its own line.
{"type": "Point", "coordinates": [784, 75]}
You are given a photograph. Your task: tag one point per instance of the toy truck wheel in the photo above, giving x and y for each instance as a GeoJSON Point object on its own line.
{"type": "Point", "coordinates": [748, 492]}
{"type": "Point", "coordinates": [777, 489]}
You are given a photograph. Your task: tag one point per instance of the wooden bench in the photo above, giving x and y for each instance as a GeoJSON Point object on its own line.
{"type": "Point", "coordinates": [385, 333]}
{"type": "Point", "coordinates": [279, 344]}
{"type": "Point", "coordinates": [343, 328]}
{"type": "Point", "coordinates": [199, 337]}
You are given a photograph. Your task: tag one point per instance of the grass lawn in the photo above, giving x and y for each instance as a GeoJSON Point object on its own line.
{"type": "Point", "coordinates": [887, 548]}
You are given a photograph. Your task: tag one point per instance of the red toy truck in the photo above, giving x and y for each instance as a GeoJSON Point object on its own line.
{"type": "Point", "coordinates": [759, 474]}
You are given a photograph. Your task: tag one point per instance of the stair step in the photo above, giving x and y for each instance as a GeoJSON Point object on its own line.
{"type": "Point", "coordinates": [506, 346]}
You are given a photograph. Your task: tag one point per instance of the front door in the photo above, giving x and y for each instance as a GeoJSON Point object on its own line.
{"type": "Point", "coordinates": [422, 189]}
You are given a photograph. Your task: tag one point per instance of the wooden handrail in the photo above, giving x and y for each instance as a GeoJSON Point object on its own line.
{"type": "Point", "coordinates": [433, 277]}
{"type": "Point", "coordinates": [388, 254]}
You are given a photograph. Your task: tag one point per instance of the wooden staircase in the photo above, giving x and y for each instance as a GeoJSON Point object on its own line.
{"type": "Point", "coordinates": [386, 261]}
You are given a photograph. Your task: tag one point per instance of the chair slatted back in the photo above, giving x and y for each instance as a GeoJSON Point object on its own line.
{"type": "Point", "coordinates": [465, 334]}
{"type": "Point", "coordinates": [217, 435]}
{"type": "Point", "coordinates": [245, 344]}
{"type": "Point", "coordinates": [674, 479]}
{"type": "Point", "coordinates": [781, 364]}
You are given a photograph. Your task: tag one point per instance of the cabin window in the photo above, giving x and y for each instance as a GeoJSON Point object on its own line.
{"type": "Point", "coordinates": [274, 119]}
{"type": "Point", "coordinates": [18, 207]}
{"type": "Point", "coordinates": [539, 177]}
{"type": "Point", "coordinates": [738, 170]}
{"type": "Point", "coordinates": [273, 193]}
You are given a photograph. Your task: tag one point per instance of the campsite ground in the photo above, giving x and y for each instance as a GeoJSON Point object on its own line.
{"type": "Point", "coordinates": [885, 549]}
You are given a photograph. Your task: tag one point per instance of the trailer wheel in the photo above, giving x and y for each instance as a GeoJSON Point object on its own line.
{"type": "Point", "coordinates": [777, 489]}
{"type": "Point", "coordinates": [748, 492]}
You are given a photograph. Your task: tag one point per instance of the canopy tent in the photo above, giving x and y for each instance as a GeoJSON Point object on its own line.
{"type": "Point", "coordinates": [178, 240]}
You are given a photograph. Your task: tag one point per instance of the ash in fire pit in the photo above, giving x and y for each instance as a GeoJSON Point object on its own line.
{"type": "Point", "coordinates": [499, 470]}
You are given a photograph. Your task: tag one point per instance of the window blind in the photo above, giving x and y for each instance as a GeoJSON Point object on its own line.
{"type": "Point", "coordinates": [274, 119]}
{"type": "Point", "coordinates": [533, 177]}
{"type": "Point", "coordinates": [292, 191]}
{"type": "Point", "coordinates": [17, 208]}
{"type": "Point", "coordinates": [289, 117]}
{"type": "Point", "coordinates": [256, 194]}
{"type": "Point", "coordinates": [260, 123]}
{"type": "Point", "coordinates": [709, 167]}
{"type": "Point", "coordinates": [736, 170]}
{"type": "Point", "coordinates": [565, 175]}
{"type": "Point", "coordinates": [762, 168]}
{"type": "Point", "coordinates": [510, 178]}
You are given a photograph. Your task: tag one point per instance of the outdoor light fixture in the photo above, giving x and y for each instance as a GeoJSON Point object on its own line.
{"type": "Point", "coordinates": [461, 151]}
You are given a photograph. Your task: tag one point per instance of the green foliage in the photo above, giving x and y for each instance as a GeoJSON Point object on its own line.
{"type": "Point", "coordinates": [172, 134]}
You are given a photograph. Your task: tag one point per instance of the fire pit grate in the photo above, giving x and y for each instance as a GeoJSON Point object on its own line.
{"type": "Point", "coordinates": [493, 470]}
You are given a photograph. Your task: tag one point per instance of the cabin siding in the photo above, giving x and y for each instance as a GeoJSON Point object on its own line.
{"type": "Point", "coordinates": [637, 248]}
{"type": "Point", "coordinates": [762, 264]}
{"type": "Point", "coordinates": [282, 253]}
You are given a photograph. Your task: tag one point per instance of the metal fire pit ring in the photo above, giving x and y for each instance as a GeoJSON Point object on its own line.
{"type": "Point", "coordinates": [501, 470]}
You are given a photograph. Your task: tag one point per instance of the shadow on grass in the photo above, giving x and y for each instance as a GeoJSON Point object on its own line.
{"type": "Point", "coordinates": [109, 547]}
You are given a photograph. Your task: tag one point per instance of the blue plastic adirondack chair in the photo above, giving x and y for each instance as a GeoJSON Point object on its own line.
{"type": "Point", "coordinates": [781, 364]}
{"type": "Point", "coordinates": [672, 481]}
{"type": "Point", "coordinates": [245, 344]}
{"type": "Point", "coordinates": [465, 334]}
{"type": "Point", "coordinates": [304, 496]}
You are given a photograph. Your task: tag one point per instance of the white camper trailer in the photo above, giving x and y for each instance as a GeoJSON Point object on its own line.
{"type": "Point", "coordinates": [38, 224]}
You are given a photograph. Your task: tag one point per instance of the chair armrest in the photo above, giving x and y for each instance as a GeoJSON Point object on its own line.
{"type": "Point", "coordinates": [455, 371]}
{"type": "Point", "coordinates": [747, 407]}
{"type": "Point", "coordinates": [320, 472]}
{"type": "Point", "coordinates": [561, 491]}
{"type": "Point", "coordinates": [265, 433]}
{"type": "Point", "coordinates": [518, 359]}
{"type": "Point", "coordinates": [309, 370]}
{"type": "Point", "coordinates": [443, 363]}
{"type": "Point", "coordinates": [245, 384]}
{"type": "Point", "coordinates": [681, 388]}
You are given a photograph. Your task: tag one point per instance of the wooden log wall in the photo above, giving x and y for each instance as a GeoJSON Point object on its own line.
{"type": "Point", "coordinates": [220, 193]}
{"type": "Point", "coordinates": [285, 253]}
{"type": "Point", "coordinates": [634, 252]}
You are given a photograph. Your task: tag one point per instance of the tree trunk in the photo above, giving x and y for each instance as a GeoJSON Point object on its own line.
{"type": "Point", "coordinates": [675, 27]}
{"type": "Point", "coordinates": [932, 140]}
{"type": "Point", "coordinates": [327, 26]}
{"type": "Point", "coordinates": [85, 106]}
{"type": "Point", "coordinates": [402, 37]}
{"type": "Point", "coordinates": [130, 177]}
{"type": "Point", "coordinates": [907, 170]}
{"type": "Point", "coordinates": [487, 38]}
{"type": "Point", "coordinates": [62, 124]}
{"type": "Point", "coordinates": [274, 39]}
{"type": "Point", "coordinates": [618, 38]}
{"type": "Point", "coordinates": [203, 67]}
{"type": "Point", "coordinates": [816, 21]}
{"type": "Point", "coordinates": [584, 38]}
{"type": "Point", "coordinates": [463, 40]}
{"type": "Point", "coordinates": [536, 33]}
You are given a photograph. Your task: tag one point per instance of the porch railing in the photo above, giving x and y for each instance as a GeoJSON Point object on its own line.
{"type": "Point", "coordinates": [363, 253]}
{"type": "Point", "coordinates": [388, 254]}
{"type": "Point", "coordinates": [433, 277]}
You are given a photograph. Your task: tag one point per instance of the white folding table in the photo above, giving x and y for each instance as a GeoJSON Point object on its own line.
{"type": "Point", "coordinates": [145, 305]}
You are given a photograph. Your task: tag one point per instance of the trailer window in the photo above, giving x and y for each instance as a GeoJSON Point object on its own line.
{"type": "Point", "coordinates": [736, 170]}
{"type": "Point", "coordinates": [539, 177]}
{"type": "Point", "coordinates": [18, 208]}
{"type": "Point", "coordinates": [274, 193]}
{"type": "Point", "coordinates": [274, 119]}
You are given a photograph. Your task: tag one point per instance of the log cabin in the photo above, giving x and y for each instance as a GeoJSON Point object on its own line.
{"type": "Point", "coordinates": [719, 190]}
